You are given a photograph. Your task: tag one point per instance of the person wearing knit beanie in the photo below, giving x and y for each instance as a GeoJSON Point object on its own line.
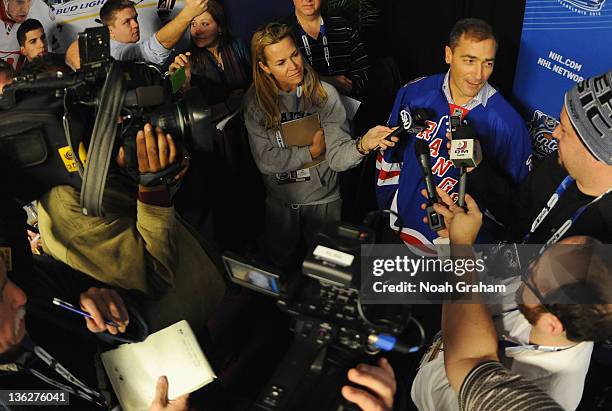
{"type": "Point", "coordinates": [589, 109]}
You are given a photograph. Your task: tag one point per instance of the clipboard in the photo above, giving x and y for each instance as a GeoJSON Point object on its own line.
{"type": "Point", "coordinates": [299, 133]}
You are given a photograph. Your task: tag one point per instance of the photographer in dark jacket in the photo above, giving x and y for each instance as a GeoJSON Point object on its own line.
{"type": "Point", "coordinates": [569, 192]}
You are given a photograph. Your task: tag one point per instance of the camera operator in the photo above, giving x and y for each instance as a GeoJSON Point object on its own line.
{"type": "Point", "coordinates": [121, 18]}
{"type": "Point", "coordinates": [141, 244]}
{"type": "Point", "coordinates": [6, 74]}
{"type": "Point", "coordinates": [578, 175]}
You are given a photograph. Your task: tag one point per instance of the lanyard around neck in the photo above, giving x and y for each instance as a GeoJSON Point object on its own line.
{"type": "Point", "coordinates": [325, 44]}
{"type": "Point", "coordinates": [552, 202]}
{"type": "Point", "coordinates": [298, 98]}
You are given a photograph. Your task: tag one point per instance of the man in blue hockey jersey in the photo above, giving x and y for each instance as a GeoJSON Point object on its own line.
{"type": "Point", "coordinates": [462, 92]}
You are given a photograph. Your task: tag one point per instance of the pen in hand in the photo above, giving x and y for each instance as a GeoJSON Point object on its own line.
{"type": "Point", "coordinates": [67, 306]}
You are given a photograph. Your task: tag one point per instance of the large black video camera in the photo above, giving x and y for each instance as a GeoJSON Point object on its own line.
{"type": "Point", "coordinates": [45, 119]}
{"type": "Point", "coordinates": [333, 330]}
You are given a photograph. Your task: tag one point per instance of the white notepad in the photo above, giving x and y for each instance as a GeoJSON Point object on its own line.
{"type": "Point", "coordinates": [133, 369]}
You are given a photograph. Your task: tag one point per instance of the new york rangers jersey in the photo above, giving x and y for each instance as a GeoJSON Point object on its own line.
{"type": "Point", "coordinates": [500, 129]}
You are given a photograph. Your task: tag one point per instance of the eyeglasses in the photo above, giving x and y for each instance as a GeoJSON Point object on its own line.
{"type": "Point", "coordinates": [526, 276]}
{"type": "Point", "coordinates": [527, 279]}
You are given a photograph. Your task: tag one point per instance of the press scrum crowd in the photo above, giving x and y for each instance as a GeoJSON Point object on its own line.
{"type": "Point", "coordinates": [155, 252]}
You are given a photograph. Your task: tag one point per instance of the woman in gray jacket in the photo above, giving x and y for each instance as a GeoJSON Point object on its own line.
{"type": "Point", "coordinates": [301, 197]}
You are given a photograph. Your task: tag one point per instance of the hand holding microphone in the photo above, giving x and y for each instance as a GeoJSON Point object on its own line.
{"type": "Point", "coordinates": [376, 138]}
{"type": "Point", "coordinates": [410, 123]}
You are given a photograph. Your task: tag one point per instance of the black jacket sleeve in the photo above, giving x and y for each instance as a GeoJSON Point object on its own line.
{"type": "Point", "coordinates": [496, 193]}
{"type": "Point", "coordinates": [514, 205]}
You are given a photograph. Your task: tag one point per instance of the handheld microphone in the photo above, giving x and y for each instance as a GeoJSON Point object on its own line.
{"type": "Point", "coordinates": [421, 150]}
{"type": "Point", "coordinates": [463, 147]}
{"type": "Point", "coordinates": [411, 123]}
{"type": "Point", "coordinates": [463, 154]}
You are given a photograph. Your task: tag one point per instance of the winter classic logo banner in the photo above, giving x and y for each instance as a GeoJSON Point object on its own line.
{"type": "Point", "coordinates": [563, 42]}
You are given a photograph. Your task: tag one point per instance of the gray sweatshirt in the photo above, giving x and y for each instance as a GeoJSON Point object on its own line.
{"type": "Point", "coordinates": [271, 158]}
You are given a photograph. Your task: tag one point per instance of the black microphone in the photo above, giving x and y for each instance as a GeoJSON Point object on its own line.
{"type": "Point", "coordinates": [421, 150]}
{"type": "Point", "coordinates": [411, 123]}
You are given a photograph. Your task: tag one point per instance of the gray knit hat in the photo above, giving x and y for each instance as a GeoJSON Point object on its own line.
{"type": "Point", "coordinates": [589, 107]}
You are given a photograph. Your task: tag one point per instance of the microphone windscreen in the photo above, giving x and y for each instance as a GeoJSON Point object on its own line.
{"type": "Point", "coordinates": [464, 132]}
{"type": "Point", "coordinates": [421, 147]}
{"type": "Point", "coordinates": [421, 114]}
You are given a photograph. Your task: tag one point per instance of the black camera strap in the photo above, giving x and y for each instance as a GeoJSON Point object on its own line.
{"type": "Point", "coordinates": [102, 143]}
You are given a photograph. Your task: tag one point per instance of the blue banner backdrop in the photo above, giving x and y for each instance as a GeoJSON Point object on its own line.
{"type": "Point", "coordinates": [563, 41]}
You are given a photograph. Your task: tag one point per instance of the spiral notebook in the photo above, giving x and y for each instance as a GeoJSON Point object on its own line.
{"type": "Point", "coordinates": [133, 369]}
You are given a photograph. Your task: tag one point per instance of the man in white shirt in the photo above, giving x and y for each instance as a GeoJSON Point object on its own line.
{"type": "Point", "coordinates": [121, 18]}
{"type": "Point", "coordinates": [550, 346]}
{"type": "Point", "coordinates": [559, 370]}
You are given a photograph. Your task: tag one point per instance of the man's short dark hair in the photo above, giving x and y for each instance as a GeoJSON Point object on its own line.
{"type": "Point", "coordinates": [475, 29]}
{"type": "Point", "coordinates": [26, 27]}
{"type": "Point", "coordinates": [111, 7]}
{"type": "Point", "coordinates": [7, 69]}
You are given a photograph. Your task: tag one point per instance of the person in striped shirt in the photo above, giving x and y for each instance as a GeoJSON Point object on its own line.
{"type": "Point", "coordinates": [332, 46]}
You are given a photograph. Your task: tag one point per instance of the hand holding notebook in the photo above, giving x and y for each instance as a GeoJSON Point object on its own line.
{"type": "Point", "coordinates": [134, 369]}
{"type": "Point", "coordinates": [301, 132]}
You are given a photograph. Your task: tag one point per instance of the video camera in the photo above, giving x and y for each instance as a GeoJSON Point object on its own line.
{"type": "Point", "coordinates": [332, 328]}
{"type": "Point", "coordinates": [46, 118]}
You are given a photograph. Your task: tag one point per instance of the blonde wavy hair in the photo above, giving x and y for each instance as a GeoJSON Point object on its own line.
{"type": "Point", "coordinates": [266, 89]}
